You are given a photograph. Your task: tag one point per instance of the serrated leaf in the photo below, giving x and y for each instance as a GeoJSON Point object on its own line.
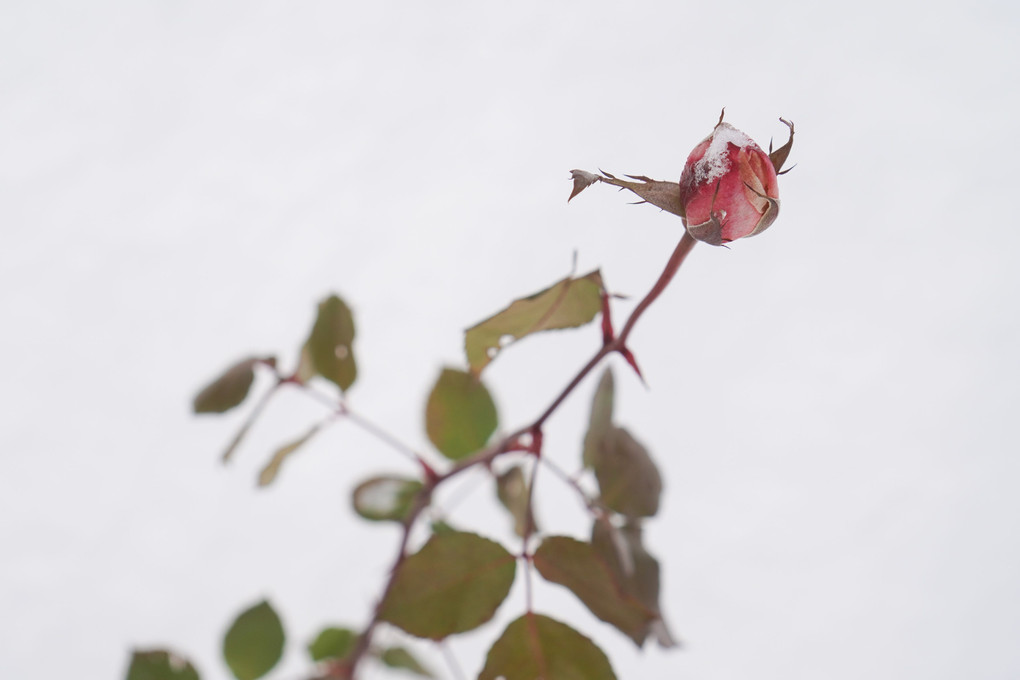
{"type": "Point", "coordinates": [229, 389]}
{"type": "Point", "coordinates": [601, 418]}
{"type": "Point", "coordinates": [272, 468]}
{"type": "Point", "coordinates": [398, 657]}
{"type": "Point", "coordinates": [159, 664]}
{"type": "Point", "coordinates": [330, 344]}
{"type": "Point", "coordinates": [385, 498]}
{"type": "Point", "coordinates": [460, 415]}
{"type": "Point", "coordinates": [453, 584]}
{"type": "Point", "coordinates": [254, 642]}
{"type": "Point", "coordinates": [575, 565]}
{"type": "Point", "coordinates": [629, 481]}
{"type": "Point", "coordinates": [512, 491]}
{"type": "Point", "coordinates": [535, 646]}
{"type": "Point", "coordinates": [635, 570]}
{"type": "Point", "coordinates": [332, 643]}
{"type": "Point", "coordinates": [568, 303]}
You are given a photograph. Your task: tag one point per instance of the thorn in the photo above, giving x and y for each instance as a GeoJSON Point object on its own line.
{"type": "Point", "coordinates": [640, 178]}
{"type": "Point", "coordinates": [629, 356]}
{"type": "Point", "coordinates": [431, 477]}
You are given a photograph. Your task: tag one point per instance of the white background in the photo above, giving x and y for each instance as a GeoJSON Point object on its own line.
{"type": "Point", "coordinates": [833, 403]}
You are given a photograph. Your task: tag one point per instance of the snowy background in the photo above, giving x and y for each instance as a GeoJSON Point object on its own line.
{"type": "Point", "coordinates": [833, 403]}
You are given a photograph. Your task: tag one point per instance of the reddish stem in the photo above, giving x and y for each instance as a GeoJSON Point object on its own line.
{"type": "Point", "coordinates": [346, 668]}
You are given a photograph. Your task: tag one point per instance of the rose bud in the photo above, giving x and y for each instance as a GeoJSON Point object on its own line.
{"type": "Point", "coordinates": [728, 188]}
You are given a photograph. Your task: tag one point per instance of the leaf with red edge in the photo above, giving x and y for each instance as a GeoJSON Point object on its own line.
{"type": "Point", "coordinates": [453, 584]}
{"type": "Point", "coordinates": [569, 303]}
{"type": "Point", "coordinates": [535, 646]}
{"type": "Point", "coordinates": [576, 565]}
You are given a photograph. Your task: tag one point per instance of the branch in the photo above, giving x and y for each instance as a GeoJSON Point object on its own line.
{"type": "Point", "coordinates": [528, 438]}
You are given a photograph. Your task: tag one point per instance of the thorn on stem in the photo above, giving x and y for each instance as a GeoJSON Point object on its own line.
{"type": "Point", "coordinates": [629, 356]}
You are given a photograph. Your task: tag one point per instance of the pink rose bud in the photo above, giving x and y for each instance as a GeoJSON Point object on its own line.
{"type": "Point", "coordinates": [728, 188]}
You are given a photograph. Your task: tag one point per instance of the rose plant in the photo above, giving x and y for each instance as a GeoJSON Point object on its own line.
{"type": "Point", "coordinates": [444, 581]}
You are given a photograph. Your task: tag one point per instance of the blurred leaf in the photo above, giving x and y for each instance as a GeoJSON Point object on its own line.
{"type": "Point", "coordinates": [332, 643]}
{"type": "Point", "coordinates": [441, 527]}
{"type": "Point", "coordinates": [329, 346]}
{"type": "Point", "coordinates": [159, 664]}
{"type": "Point", "coordinates": [254, 643]}
{"type": "Point", "coordinates": [535, 646]}
{"type": "Point", "coordinates": [568, 303]}
{"type": "Point", "coordinates": [305, 370]}
{"type": "Point", "coordinates": [230, 388]}
{"type": "Point", "coordinates": [575, 565]}
{"type": "Point", "coordinates": [385, 497]}
{"type": "Point", "coordinates": [453, 584]}
{"type": "Point", "coordinates": [601, 419]}
{"type": "Point", "coordinates": [272, 468]}
{"type": "Point", "coordinates": [635, 570]}
{"type": "Point", "coordinates": [398, 657]}
{"type": "Point", "coordinates": [628, 479]}
{"type": "Point", "coordinates": [460, 415]}
{"type": "Point", "coordinates": [512, 491]}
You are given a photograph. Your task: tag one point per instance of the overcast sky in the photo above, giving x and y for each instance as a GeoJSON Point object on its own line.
{"type": "Point", "coordinates": [833, 402]}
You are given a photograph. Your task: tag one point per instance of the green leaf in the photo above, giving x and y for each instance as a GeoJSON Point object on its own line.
{"type": "Point", "coordinates": [329, 347]}
{"type": "Point", "coordinates": [575, 565]}
{"type": "Point", "coordinates": [629, 480]}
{"type": "Point", "coordinates": [568, 303]}
{"type": "Point", "coordinates": [159, 664]}
{"type": "Point", "coordinates": [453, 584]}
{"type": "Point", "coordinates": [272, 468]}
{"type": "Point", "coordinates": [254, 643]}
{"type": "Point", "coordinates": [332, 643]}
{"type": "Point", "coordinates": [398, 657]}
{"type": "Point", "coordinates": [441, 527]}
{"type": "Point", "coordinates": [635, 571]}
{"type": "Point", "coordinates": [385, 498]}
{"type": "Point", "coordinates": [601, 419]}
{"type": "Point", "coordinates": [460, 415]}
{"type": "Point", "coordinates": [229, 389]}
{"type": "Point", "coordinates": [512, 491]}
{"type": "Point", "coordinates": [535, 646]}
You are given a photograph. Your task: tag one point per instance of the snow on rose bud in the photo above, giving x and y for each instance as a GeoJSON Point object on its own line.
{"type": "Point", "coordinates": [728, 188]}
